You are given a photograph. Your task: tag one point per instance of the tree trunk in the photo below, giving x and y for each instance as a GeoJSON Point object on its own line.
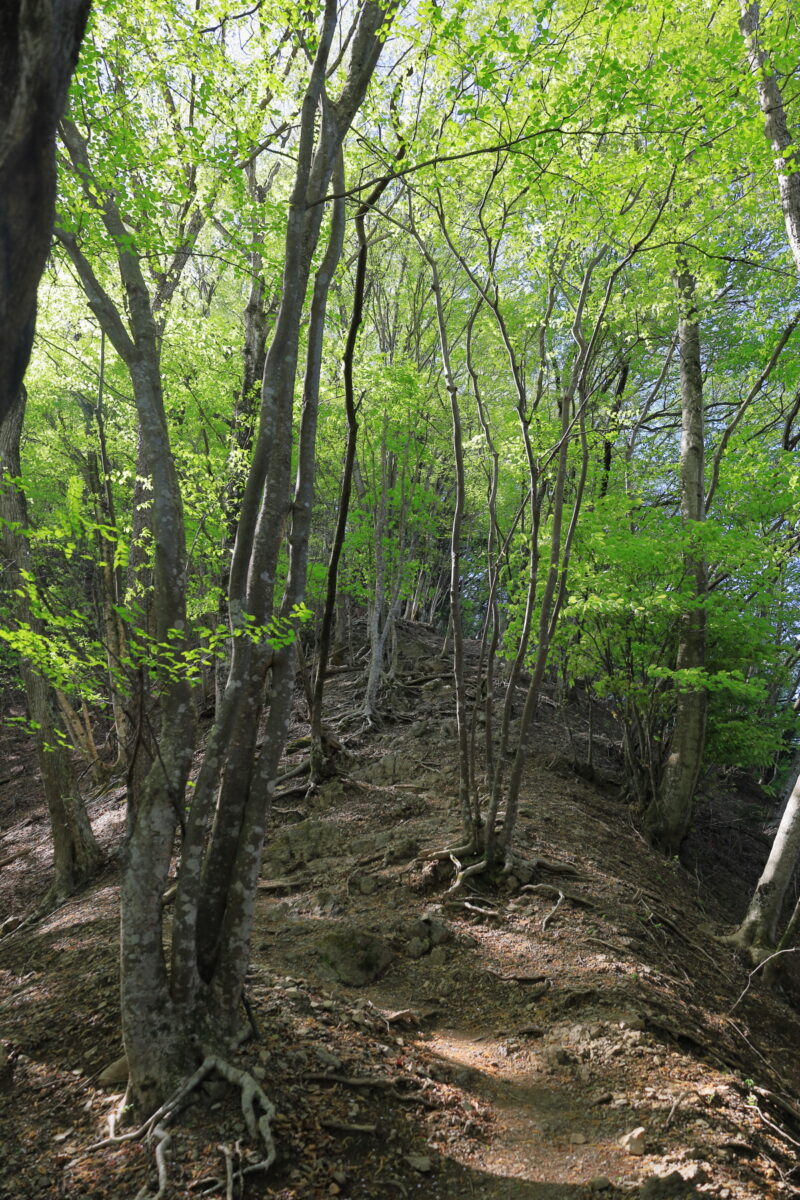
{"type": "Point", "coordinates": [776, 125]}
{"type": "Point", "coordinates": [319, 766]}
{"type": "Point", "coordinates": [218, 876]}
{"type": "Point", "coordinates": [758, 931]}
{"type": "Point", "coordinates": [670, 810]}
{"type": "Point", "coordinates": [39, 44]}
{"type": "Point", "coordinates": [76, 854]}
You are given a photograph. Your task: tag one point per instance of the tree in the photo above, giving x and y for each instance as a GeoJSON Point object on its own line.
{"type": "Point", "coordinates": [168, 1017]}
{"type": "Point", "coordinates": [39, 44]}
{"type": "Point", "coordinates": [76, 854]}
{"type": "Point", "coordinates": [670, 809]}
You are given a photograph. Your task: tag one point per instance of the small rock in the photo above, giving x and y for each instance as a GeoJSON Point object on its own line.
{"type": "Point", "coordinates": [465, 1077]}
{"type": "Point", "coordinates": [633, 1141]}
{"type": "Point", "coordinates": [667, 1187]}
{"type": "Point", "coordinates": [694, 1174]}
{"type": "Point", "coordinates": [116, 1072]}
{"type": "Point", "coordinates": [419, 1162]}
{"type": "Point", "coordinates": [437, 932]}
{"type": "Point", "coordinates": [601, 1184]}
{"type": "Point", "coordinates": [417, 947]}
{"type": "Point", "coordinates": [401, 851]}
{"type": "Point", "coordinates": [354, 956]}
{"type": "Point", "coordinates": [438, 956]}
{"type": "Point", "coordinates": [577, 1139]}
{"type": "Point", "coordinates": [557, 1056]}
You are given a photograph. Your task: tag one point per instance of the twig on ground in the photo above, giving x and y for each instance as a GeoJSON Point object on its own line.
{"type": "Point", "coordinates": [776, 1128]}
{"type": "Point", "coordinates": [756, 971]}
{"type": "Point", "coordinates": [346, 1127]}
{"type": "Point", "coordinates": [228, 1155]}
{"type": "Point", "coordinates": [676, 1102]}
{"type": "Point", "coordinates": [353, 1080]}
{"type": "Point", "coordinates": [553, 911]}
{"type": "Point", "coordinates": [466, 906]}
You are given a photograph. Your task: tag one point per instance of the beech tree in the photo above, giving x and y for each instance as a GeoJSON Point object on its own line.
{"type": "Point", "coordinates": [39, 43]}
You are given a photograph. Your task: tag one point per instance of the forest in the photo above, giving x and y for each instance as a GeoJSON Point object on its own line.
{"type": "Point", "coordinates": [366, 331]}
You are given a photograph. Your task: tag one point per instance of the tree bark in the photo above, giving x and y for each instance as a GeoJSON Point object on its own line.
{"type": "Point", "coordinates": [218, 875]}
{"type": "Point", "coordinates": [670, 810]}
{"type": "Point", "coordinates": [318, 757]}
{"type": "Point", "coordinates": [76, 854]}
{"type": "Point", "coordinates": [776, 125]}
{"type": "Point", "coordinates": [39, 44]}
{"type": "Point", "coordinates": [758, 932]}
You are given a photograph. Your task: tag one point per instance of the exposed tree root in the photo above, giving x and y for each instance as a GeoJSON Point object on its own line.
{"type": "Point", "coordinates": [162, 1146]}
{"type": "Point", "coordinates": [259, 1127]}
{"type": "Point", "coordinates": [299, 769]}
{"type": "Point", "coordinates": [520, 868]}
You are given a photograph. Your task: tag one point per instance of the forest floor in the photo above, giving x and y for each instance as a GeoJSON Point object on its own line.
{"type": "Point", "coordinates": [413, 1047]}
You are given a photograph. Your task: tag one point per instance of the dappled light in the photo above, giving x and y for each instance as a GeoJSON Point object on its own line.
{"type": "Point", "coordinates": [400, 621]}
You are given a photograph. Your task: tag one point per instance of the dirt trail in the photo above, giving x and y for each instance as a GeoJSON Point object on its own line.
{"type": "Point", "coordinates": [499, 1054]}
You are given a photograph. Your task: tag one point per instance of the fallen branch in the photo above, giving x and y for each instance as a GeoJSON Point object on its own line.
{"type": "Point", "coordinates": [353, 1080]}
{"type": "Point", "coordinates": [345, 1127]}
{"type": "Point", "coordinates": [756, 971]}
{"type": "Point", "coordinates": [549, 889]}
{"type": "Point", "coordinates": [9, 858]}
{"type": "Point", "coordinates": [553, 911]}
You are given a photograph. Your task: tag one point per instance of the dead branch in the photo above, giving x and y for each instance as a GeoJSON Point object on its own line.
{"type": "Point", "coordinates": [756, 971]}
{"type": "Point", "coordinates": [553, 911]}
{"type": "Point", "coordinates": [549, 889]}
{"type": "Point", "coordinates": [353, 1080]}
{"type": "Point", "coordinates": [345, 1127]}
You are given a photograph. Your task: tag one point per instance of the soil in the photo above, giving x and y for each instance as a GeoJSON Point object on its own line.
{"type": "Point", "coordinates": [586, 1037]}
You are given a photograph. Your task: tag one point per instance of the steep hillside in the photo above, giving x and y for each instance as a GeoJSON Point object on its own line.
{"type": "Point", "coordinates": [585, 1035]}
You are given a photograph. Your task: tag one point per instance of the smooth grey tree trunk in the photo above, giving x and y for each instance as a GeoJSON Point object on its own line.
{"type": "Point", "coordinates": [171, 1017]}
{"type": "Point", "coordinates": [776, 125]}
{"type": "Point", "coordinates": [758, 932]}
{"type": "Point", "coordinates": [670, 810]}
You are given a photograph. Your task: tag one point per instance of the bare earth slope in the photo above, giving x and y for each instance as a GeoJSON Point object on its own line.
{"type": "Point", "coordinates": [588, 1037]}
